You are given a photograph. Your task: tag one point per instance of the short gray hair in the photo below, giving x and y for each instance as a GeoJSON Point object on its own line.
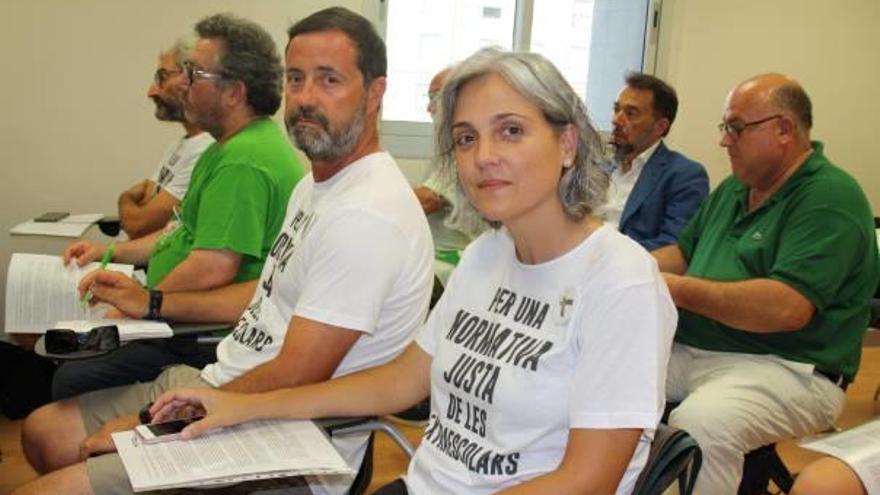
{"type": "Point", "coordinates": [582, 186]}
{"type": "Point", "coordinates": [791, 97]}
{"type": "Point", "coordinates": [179, 50]}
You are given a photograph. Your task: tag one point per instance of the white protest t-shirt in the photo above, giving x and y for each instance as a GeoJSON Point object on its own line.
{"type": "Point", "coordinates": [176, 166]}
{"type": "Point", "coordinates": [354, 251]}
{"type": "Point", "coordinates": [524, 353]}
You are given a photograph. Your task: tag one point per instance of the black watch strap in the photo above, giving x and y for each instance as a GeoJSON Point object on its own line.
{"type": "Point", "coordinates": [155, 310]}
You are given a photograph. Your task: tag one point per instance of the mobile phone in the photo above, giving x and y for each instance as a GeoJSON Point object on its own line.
{"type": "Point", "coordinates": [163, 432]}
{"type": "Point", "coordinates": [52, 216]}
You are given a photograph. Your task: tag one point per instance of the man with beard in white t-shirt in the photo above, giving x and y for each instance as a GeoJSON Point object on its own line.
{"type": "Point", "coordinates": [347, 279]}
{"type": "Point", "coordinates": [148, 205]}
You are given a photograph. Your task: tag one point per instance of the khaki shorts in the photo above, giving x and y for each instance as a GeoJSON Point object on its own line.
{"type": "Point", "coordinates": [106, 473]}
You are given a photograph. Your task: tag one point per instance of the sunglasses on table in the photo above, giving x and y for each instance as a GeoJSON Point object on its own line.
{"type": "Point", "coordinates": [64, 341]}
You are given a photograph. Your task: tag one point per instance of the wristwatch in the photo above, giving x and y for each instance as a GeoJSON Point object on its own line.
{"type": "Point", "coordinates": [154, 311]}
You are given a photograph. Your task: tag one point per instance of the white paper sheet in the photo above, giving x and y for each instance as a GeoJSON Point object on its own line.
{"type": "Point", "coordinates": [70, 226]}
{"type": "Point", "coordinates": [257, 450]}
{"type": "Point", "coordinates": [859, 447]}
{"type": "Point", "coordinates": [128, 329]}
{"type": "Point", "coordinates": [40, 291]}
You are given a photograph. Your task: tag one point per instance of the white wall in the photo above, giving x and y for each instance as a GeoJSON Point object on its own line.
{"type": "Point", "coordinates": [830, 46]}
{"type": "Point", "coordinates": [76, 126]}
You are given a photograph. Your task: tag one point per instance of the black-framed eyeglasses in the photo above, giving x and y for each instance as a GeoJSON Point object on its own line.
{"type": "Point", "coordinates": [193, 72]}
{"type": "Point", "coordinates": [735, 129]}
{"type": "Point", "coordinates": [64, 341]}
{"type": "Point", "coordinates": [161, 75]}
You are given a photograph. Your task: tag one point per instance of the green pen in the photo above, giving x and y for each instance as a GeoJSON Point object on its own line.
{"type": "Point", "coordinates": [108, 255]}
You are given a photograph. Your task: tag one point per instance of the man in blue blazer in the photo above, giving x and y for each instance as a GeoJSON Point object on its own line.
{"type": "Point", "coordinates": [653, 190]}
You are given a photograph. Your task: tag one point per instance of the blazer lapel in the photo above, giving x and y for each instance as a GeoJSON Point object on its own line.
{"type": "Point", "coordinates": [647, 181]}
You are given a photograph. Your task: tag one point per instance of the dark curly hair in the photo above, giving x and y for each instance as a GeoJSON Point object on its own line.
{"type": "Point", "coordinates": [248, 55]}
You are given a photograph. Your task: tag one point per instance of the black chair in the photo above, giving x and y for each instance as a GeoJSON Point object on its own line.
{"type": "Point", "coordinates": [109, 226]}
{"type": "Point", "coordinates": [674, 455]}
{"type": "Point", "coordinates": [760, 467]}
{"type": "Point", "coordinates": [350, 426]}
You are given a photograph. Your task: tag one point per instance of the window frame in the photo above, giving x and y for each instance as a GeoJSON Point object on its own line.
{"type": "Point", "coordinates": [414, 140]}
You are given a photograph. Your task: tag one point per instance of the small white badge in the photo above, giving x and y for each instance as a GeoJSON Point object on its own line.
{"type": "Point", "coordinates": [565, 307]}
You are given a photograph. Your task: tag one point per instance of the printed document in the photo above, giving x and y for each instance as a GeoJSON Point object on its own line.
{"type": "Point", "coordinates": [71, 226]}
{"type": "Point", "coordinates": [249, 451]}
{"type": "Point", "coordinates": [40, 291]}
{"type": "Point", "coordinates": [859, 447]}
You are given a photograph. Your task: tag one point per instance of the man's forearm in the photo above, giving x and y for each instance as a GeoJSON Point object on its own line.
{"type": "Point", "coordinates": [136, 219]}
{"type": "Point", "coordinates": [263, 378]}
{"type": "Point", "coordinates": [202, 270]}
{"type": "Point", "coordinates": [221, 305]}
{"type": "Point", "coordinates": [136, 252]}
{"type": "Point", "coordinates": [670, 259]}
{"type": "Point", "coordinates": [758, 305]}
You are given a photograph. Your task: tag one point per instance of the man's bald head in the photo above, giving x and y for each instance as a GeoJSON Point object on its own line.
{"type": "Point", "coordinates": [779, 93]}
{"type": "Point", "coordinates": [434, 89]}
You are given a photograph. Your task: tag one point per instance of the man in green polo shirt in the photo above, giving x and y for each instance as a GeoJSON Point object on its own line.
{"type": "Point", "coordinates": [772, 278]}
{"type": "Point", "coordinates": [232, 210]}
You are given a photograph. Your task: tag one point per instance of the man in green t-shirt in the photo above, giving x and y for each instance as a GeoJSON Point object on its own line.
{"type": "Point", "coordinates": [773, 278]}
{"type": "Point", "coordinates": [233, 208]}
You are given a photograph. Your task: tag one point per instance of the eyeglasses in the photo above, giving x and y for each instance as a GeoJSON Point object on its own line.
{"type": "Point", "coordinates": [161, 75]}
{"type": "Point", "coordinates": [192, 73]}
{"type": "Point", "coordinates": [735, 129]}
{"type": "Point", "coordinates": [64, 341]}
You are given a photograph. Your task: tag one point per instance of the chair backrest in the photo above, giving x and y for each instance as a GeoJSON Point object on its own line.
{"type": "Point", "coordinates": [674, 455]}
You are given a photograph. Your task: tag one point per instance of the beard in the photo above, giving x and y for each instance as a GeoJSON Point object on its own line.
{"type": "Point", "coordinates": [622, 150]}
{"type": "Point", "coordinates": [322, 142]}
{"type": "Point", "coordinates": [168, 110]}
{"type": "Point", "coordinates": [621, 145]}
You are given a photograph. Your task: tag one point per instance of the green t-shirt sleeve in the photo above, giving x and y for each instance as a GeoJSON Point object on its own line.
{"type": "Point", "coordinates": [233, 210]}
{"type": "Point", "coordinates": [818, 250]}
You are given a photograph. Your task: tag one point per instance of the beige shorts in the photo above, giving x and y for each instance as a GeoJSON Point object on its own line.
{"type": "Point", "coordinates": [106, 473]}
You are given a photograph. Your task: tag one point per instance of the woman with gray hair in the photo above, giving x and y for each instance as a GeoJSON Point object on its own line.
{"type": "Point", "coordinates": [545, 359]}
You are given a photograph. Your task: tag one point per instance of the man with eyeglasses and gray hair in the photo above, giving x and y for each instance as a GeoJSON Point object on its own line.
{"type": "Point", "coordinates": [233, 208]}
{"type": "Point", "coordinates": [772, 278]}
{"type": "Point", "coordinates": [148, 205]}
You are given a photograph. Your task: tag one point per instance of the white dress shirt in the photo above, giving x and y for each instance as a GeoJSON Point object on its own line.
{"type": "Point", "coordinates": [621, 185]}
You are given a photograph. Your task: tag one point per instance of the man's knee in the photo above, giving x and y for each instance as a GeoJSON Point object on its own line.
{"type": "Point", "coordinates": [694, 418]}
{"type": "Point", "coordinates": [50, 436]}
{"type": "Point", "coordinates": [714, 425]}
{"type": "Point", "coordinates": [70, 480]}
{"type": "Point", "coordinates": [827, 476]}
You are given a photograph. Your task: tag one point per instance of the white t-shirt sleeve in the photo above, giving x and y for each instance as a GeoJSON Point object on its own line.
{"type": "Point", "coordinates": [185, 156]}
{"type": "Point", "coordinates": [351, 269]}
{"type": "Point", "coordinates": [624, 351]}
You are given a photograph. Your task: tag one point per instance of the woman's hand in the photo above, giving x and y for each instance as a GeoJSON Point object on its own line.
{"type": "Point", "coordinates": [220, 409]}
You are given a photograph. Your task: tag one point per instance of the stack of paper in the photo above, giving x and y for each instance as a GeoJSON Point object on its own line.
{"type": "Point", "coordinates": [258, 450]}
{"type": "Point", "coordinates": [128, 329]}
{"type": "Point", "coordinates": [71, 226]}
{"type": "Point", "coordinates": [858, 447]}
{"type": "Point", "coordinates": [40, 290]}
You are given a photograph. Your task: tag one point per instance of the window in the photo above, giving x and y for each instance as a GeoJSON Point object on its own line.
{"type": "Point", "coordinates": [592, 42]}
